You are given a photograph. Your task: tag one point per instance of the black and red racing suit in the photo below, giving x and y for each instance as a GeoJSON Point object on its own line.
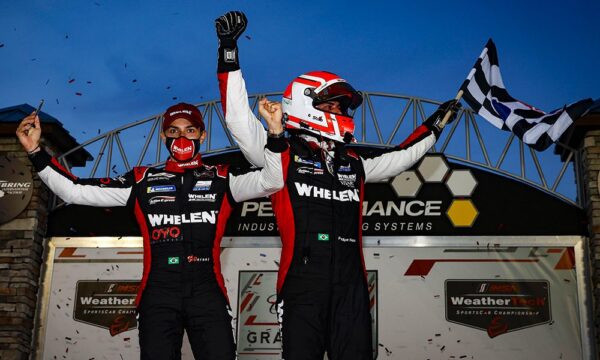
{"type": "Point", "coordinates": [322, 290]}
{"type": "Point", "coordinates": [181, 211]}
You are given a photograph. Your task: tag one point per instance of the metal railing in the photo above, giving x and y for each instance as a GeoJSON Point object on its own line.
{"type": "Point", "coordinates": [466, 140]}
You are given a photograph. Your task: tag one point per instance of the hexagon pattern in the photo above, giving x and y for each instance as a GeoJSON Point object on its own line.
{"type": "Point", "coordinates": [406, 184]}
{"type": "Point", "coordinates": [461, 183]}
{"type": "Point", "coordinates": [433, 168]}
{"type": "Point", "coordinates": [462, 213]}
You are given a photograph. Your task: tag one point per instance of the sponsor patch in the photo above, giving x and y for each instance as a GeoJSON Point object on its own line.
{"type": "Point", "coordinates": [347, 180]}
{"type": "Point", "coordinates": [173, 260]}
{"type": "Point", "coordinates": [194, 258]}
{"type": "Point", "coordinates": [161, 199]}
{"type": "Point", "coordinates": [161, 176]}
{"type": "Point", "coordinates": [202, 185]}
{"type": "Point", "coordinates": [202, 197]}
{"type": "Point", "coordinates": [306, 170]}
{"type": "Point", "coordinates": [300, 160]}
{"type": "Point", "coordinates": [346, 168]}
{"type": "Point", "coordinates": [204, 174]}
{"type": "Point", "coordinates": [161, 188]}
{"type": "Point", "coordinates": [323, 237]}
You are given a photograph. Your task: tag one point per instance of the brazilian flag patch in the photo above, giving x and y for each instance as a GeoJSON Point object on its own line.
{"type": "Point", "coordinates": [323, 237]}
{"type": "Point", "coordinates": [173, 260]}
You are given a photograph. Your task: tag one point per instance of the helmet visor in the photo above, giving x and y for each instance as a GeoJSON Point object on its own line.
{"type": "Point", "coordinates": [343, 93]}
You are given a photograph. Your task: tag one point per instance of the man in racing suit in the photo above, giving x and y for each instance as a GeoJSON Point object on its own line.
{"type": "Point", "coordinates": [181, 211]}
{"type": "Point", "coordinates": [323, 301]}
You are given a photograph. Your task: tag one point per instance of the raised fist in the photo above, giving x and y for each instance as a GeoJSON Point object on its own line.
{"type": "Point", "coordinates": [231, 25]}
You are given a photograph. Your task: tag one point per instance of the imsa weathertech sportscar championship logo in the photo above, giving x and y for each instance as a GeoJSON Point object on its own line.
{"type": "Point", "coordinates": [106, 304]}
{"type": "Point", "coordinates": [259, 335]}
{"type": "Point", "coordinates": [498, 306]}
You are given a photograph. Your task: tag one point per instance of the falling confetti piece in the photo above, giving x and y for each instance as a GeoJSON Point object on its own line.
{"type": "Point", "coordinates": [125, 65]}
{"type": "Point", "coordinates": [66, 36]}
{"type": "Point", "coordinates": [263, 255]}
{"type": "Point", "coordinates": [96, 3]}
{"type": "Point", "coordinates": [442, 348]}
{"type": "Point", "coordinates": [68, 338]}
{"type": "Point", "coordinates": [248, 37]}
{"type": "Point", "coordinates": [47, 81]}
{"type": "Point", "coordinates": [134, 80]}
{"type": "Point", "coordinates": [98, 131]}
{"type": "Point", "coordinates": [78, 94]}
{"type": "Point", "coordinates": [89, 82]}
{"type": "Point", "coordinates": [1, 45]}
{"type": "Point", "coordinates": [168, 88]}
{"type": "Point", "coordinates": [174, 97]}
{"type": "Point", "coordinates": [34, 59]}
{"type": "Point", "coordinates": [71, 81]}
{"type": "Point", "coordinates": [57, 101]}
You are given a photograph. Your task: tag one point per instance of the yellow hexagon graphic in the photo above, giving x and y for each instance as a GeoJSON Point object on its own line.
{"type": "Point", "coordinates": [462, 213]}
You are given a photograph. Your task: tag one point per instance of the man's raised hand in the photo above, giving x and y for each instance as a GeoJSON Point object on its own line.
{"type": "Point", "coordinates": [29, 132]}
{"type": "Point", "coordinates": [231, 25]}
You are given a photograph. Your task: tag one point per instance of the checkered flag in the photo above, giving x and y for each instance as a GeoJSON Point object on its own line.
{"type": "Point", "coordinates": [485, 93]}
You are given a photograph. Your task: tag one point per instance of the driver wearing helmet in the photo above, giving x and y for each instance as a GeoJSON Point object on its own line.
{"type": "Point", "coordinates": [323, 300]}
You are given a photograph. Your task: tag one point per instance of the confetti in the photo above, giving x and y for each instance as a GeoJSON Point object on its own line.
{"type": "Point", "coordinates": [57, 101]}
{"type": "Point", "coordinates": [248, 37]}
{"type": "Point", "coordinates": [174, 97]}
{"type": "Point", "coordinates": [89, 82]}
{"type": "Point", "coordinates": [442, 348]}
{"type": "Point", "coordinates": [78, 94]}
{"type": "Point", "coordinates": [134, 80]}
{"type": "Point", "coordinates": [168, 88]}
{"type": "Point", "coordinates": [1, 45]}
{"type": "Point", "coordinates": [47, 81]}
{"type": "Point", "coordinates": [71, 81]}
{"type": "Point", "coordinates": [263, 255]}
{"type": "Point", "coordinates": [66, 36]}
{"type": "Point", "coordinates": [34, 59]}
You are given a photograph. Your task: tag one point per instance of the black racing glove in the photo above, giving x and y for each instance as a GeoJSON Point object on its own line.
{"type": "Point", "coordinates": [230, 27]}
{"type": "Point", "coordinates": [434, 121]}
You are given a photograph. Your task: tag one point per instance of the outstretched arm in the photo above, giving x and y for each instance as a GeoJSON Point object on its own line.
{"type": "Point", "coordinates": [93, 192]}
{"type": "Point", "coordinates": [391, 162]}
{"type": "Point", "coordinates": [271, 178]}
{"type": "Point", "coordinates": [246, 129]}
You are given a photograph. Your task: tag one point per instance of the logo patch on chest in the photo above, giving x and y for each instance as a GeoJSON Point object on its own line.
{"type": "Point", "coordinates": [202, 185]}
{"type": "Point", "coordinates": [312, 163]}
{"type": "Point", "coordinates": [161, 188]}
{"type": "Point", "coordinates": [347, 180]}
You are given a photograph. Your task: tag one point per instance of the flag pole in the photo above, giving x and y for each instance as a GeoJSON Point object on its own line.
{"type": "Point", "coordinates": [461, 92]}
{"type": "Point", "coordinates": [449, 113]}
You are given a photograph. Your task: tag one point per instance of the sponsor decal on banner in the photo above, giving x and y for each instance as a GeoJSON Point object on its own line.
{"type": "Point", "coordinates": [498, 306]}
{"type": "Point", "coordinates": [259, 334]}
{"type": "Point", "coordinates": [161, 188]}
{"type": "Point", "coordinates": [16, 188]}
{"type": "Point", "coordinates": [107, 304]}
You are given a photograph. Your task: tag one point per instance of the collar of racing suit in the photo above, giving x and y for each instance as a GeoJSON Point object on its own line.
{"type": "Point", "coordinates": [316, 144]}
{"type": "Point", "coordinates": [176, 166]}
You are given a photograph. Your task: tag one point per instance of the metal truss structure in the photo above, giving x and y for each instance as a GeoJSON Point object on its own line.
{"type": "Point", "coordinates": [469, 139]}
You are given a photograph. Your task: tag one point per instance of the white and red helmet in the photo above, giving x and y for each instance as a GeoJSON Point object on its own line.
{"type": "Point", "coordinates": [307, 91]}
